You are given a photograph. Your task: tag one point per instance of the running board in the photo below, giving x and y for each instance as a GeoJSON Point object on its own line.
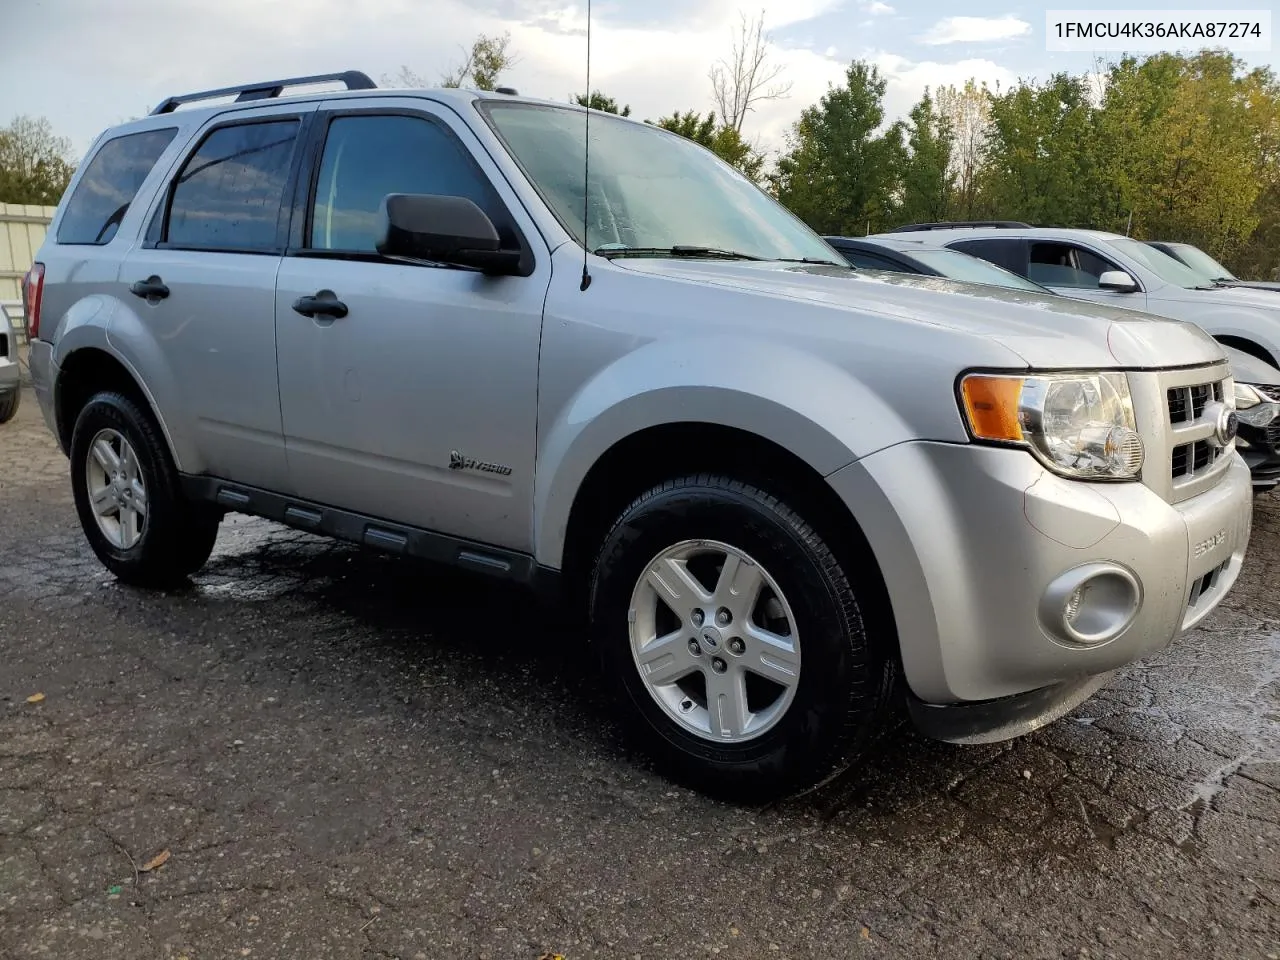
{"type": "Point", "coordinates": [367, 531]}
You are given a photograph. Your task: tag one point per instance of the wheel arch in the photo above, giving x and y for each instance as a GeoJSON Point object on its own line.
{"type": "Point", "coordinates": [88, 369]}
{"type": "Point", "coordinates": [646, 457]}
{"type": "Point", "coordinates": [1245, 345]}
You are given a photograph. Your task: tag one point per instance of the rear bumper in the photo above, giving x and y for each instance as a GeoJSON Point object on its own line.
{"type": "Point", "coordinates": [973, 542]}
{"type": "Point", "coordinates": [44, 373]}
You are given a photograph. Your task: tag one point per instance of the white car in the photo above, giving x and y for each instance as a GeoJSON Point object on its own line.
{"type": "Point", "coordinates": [1116, 270]}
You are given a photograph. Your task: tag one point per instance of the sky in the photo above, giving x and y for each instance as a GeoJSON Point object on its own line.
{"type": "Point", "coordinates": [89, 64]}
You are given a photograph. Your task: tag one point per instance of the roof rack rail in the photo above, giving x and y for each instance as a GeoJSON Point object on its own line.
{"type": "Point", "coordinates": [354, 80]}
{"type": "Point", "coordinates": [947, 225]}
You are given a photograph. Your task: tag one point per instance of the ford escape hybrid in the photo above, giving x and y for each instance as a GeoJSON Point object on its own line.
{"type": "Point", "coordinates": [787, 494]}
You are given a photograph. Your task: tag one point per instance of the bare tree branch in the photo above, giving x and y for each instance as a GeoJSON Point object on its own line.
{"type": "Point", "coordinates": [746, 77]}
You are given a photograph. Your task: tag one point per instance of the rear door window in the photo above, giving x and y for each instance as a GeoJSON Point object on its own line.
{"type": "Point", "coordinates": [228, 196]}
{"type": "Point", "coordinates": [109, 184]}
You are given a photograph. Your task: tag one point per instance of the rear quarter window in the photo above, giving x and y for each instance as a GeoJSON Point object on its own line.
{"type": "Point", "coordinates": [109, 184]}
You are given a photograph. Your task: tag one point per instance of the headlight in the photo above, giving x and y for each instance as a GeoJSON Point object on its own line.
{"type": "Point", "coordinates": [1079, 425]}
{"type": "Point", "coordinates": [1253, 408]}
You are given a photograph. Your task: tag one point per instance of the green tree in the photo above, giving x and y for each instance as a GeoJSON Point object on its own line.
{"type": "Point", "coordinates": [927, 178]}
{"type": "Point", "coordinates": [35, 164]}
{"type": "Point", "coordinates": [598, 101]}
{"type": "Point", "coordinates": [481, 68]}
{"type": "Point", "coordinates": [838, 174]}
{"type": "Point", "coordinates": [721, 139]}
{"type": "Point", "coordinates": [1038, 159]}
{"type": "Point", "coordinates": [1187, 148]}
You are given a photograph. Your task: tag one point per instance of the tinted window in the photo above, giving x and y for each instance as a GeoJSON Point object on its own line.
{"type": "Point", "coordinates": [1008, 253]}
{"type": "Point", "coordinates": [367, 157]}
{"type": "Point", "coordinates": [869, 261]}
{"type": "Point", "coordinates": [229, 193]}
{"type": "Point", "coordinates": [962, 266]}
{"type": "Point", "coordinates": [1066, 265]}
{"type": "Point", "coordinates": [109, 184]}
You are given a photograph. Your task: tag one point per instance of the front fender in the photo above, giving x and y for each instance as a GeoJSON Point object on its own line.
{"type": "Point", "coordinates": [812, 408]}
{"type": "Point", "coordinates": [1254, 325]}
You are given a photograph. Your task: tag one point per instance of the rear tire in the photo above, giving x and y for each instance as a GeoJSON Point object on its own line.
{"type": "Point", "coordinates": [836, 685]}
{"type": "Point", "coordinates": [129, 498]}
{"type": "Point", "coordinates": [9, 405]}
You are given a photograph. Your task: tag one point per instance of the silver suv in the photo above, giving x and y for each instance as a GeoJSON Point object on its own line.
{"type": "Point", "coordinates": [788, 495]}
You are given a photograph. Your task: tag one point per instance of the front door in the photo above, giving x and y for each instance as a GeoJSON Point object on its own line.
{"type": "Point", "coordinates": [1073, 271]}
{"type": "Point", "coordinates": [417, 402]}
{"type": "Point", "coordinates": [203, 285]}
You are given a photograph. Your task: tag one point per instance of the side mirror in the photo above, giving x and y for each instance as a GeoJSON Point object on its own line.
{"type": "Point", "coordinates": [442, 230]}
{"type": "Point", "coordinates": [1118, 281]}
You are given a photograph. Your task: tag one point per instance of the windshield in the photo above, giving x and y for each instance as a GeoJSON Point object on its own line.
{"type": "Point", "coordinates": [1161, 264]}
{"type": "Point", "coordinates": [1202, 263]}
{"type": "Point", "coordinates": [960, 266]}
{"type": "Point", "coordinates": [649, 188]}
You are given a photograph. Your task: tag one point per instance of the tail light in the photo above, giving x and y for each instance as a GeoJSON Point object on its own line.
{"type": "Point", "coordinates": [32, 295]}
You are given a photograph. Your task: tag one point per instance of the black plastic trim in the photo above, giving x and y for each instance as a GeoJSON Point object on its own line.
{"type": "Point", "coordinates": [990, 721]}
{"type": "Point", "coordinates": [372, 531]}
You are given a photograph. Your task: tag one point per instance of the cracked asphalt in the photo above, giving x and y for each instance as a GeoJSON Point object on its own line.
{"type": "Point", "coordinates": [349, 755]}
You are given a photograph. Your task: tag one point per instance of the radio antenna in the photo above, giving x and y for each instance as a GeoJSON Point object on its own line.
{"type": "Point", "coordinates": [586, 164]}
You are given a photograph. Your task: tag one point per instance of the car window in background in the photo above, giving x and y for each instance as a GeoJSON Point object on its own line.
{"type": "Point", "coordinates": [110, 182]}
{"type": "Point", "coordinates": [648, 188]}
{"type": "Point", "coordinates": [1201, 262]}
{"type": "Point", "coordinates": [229, 192]}
{"type": "Point", "coordinates": [961, 266]}
{"type": "Point", "coordinates": [869, 261]}
{"type": "Point", "coordinates": [367, 157]}
{"type": "Point", "coordinates": [1161, 264]}
{"type": "Point", "coordinates": [1066, 265]}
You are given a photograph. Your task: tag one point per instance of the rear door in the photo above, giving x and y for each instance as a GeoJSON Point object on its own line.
{"type": "Point", "coordinates": [419, 403]}
{"type": "Point", "coordinates": [204, 287]}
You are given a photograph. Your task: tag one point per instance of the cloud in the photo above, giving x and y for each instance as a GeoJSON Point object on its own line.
{"type": "Point", "coordinates": [875, 7]}
{"type": "Point", "coordinates": [906, 80]}
{"type": "Point", "coordinates": [975, 30]}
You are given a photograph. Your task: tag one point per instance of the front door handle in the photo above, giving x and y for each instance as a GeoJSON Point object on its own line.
{"type": "Point", "coordinates": [151, 289]}
{"type": "Point", "coordinates": [323, 304]}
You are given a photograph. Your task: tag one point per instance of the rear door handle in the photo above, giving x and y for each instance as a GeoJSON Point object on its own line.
{"type": "Point", "coordinates": [151, 289]}
{"type": "Point", "coordinates": [324, 304]}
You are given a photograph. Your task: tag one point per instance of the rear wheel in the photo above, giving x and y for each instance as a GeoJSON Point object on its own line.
{"type": "Point", "coordinates": [9, 405]}
{"type": "Point", "coordinates": [128, 496]}
{"type": "Point", "coordinates": [735, 640]}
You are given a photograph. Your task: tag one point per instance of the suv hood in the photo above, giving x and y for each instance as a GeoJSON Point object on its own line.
{"type": "Point", "coordinates": [1047, 331]}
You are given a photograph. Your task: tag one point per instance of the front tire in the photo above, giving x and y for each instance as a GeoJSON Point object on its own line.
{"type": "Point", "coordinates": [9, 404]}
{"type": "Point", "coordinates": [735, 640]}
{"type": "Point", "coordinates": [129, 499]}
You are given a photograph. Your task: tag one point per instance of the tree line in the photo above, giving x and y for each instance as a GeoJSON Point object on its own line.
{"type": "Point", "coordinates": [1168, 146]}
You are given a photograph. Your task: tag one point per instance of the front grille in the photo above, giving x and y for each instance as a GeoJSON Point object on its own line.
{"type": "Point", "coordinates": [1273, 436]}
{"type": "Point", "coordinates": [1177, 413]}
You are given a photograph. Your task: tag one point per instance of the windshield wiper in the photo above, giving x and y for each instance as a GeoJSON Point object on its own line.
{"type": "Point", "coordinates": [829, 263]}
{"type": "Point", "coordinates": [678, 250]}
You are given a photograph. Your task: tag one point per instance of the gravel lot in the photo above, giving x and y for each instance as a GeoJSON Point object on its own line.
{"type": "Point", "coordinates": [348, 755]}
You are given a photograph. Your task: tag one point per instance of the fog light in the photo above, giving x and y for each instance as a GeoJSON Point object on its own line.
{"type": "Point", "coordinates": [1091, 605]}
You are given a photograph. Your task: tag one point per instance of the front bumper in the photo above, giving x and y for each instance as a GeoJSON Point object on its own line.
{"type": "Point", "coordinates": [969, 539]}
{"type": "Point", "coordinates": [1260, 448]}
{"type": "Point", "coordinates": [10, 375]}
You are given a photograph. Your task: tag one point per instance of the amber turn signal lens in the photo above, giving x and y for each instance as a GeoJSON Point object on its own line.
{"type": "Point", "coordinates": [991, 404]}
